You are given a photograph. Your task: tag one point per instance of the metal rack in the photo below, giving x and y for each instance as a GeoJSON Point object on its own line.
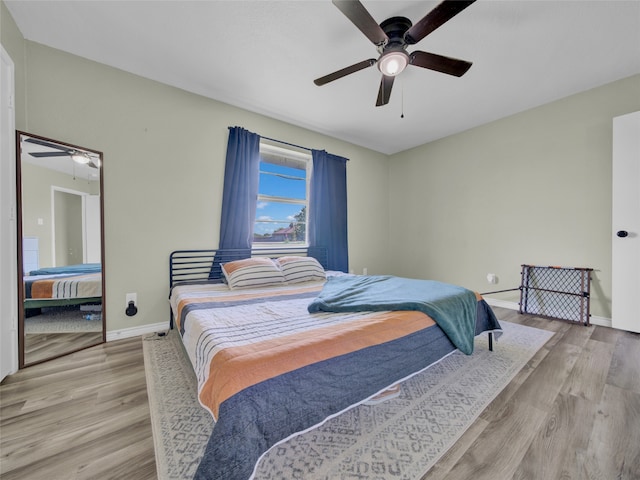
{"type": "Point", "coordinates": [556, 292]}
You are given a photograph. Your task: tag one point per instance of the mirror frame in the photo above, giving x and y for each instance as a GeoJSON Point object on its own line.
{"type": "Point", "coordinates": [20, 279]}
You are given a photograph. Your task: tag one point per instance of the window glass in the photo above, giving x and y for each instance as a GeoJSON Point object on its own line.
{"type": "Point", "coordinates": [282, 197]}
{"type": "Point", "coordinates": [281, 181]}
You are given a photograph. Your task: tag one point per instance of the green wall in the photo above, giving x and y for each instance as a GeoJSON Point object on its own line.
{"type": "Point", "coordinates": [533, 188]}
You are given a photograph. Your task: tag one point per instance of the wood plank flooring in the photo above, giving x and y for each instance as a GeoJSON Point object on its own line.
{"type": "Point", "coordinates": [82, 416]}
{"type": "Point", "coordinates": [572, 413]}
{"type": "Point", "coordinates": [43, 346]}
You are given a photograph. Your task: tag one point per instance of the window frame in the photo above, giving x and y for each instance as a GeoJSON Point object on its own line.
{"type": "Point", "coordinates": [290, 158]}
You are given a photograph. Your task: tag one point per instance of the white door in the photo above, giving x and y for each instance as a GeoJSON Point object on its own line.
{"type": "Point", "coordinates": [626, 223]}
{"type": "Point", "coordinates": [92, 247]}
{"type": "Point", "coordinates": [8, 241]}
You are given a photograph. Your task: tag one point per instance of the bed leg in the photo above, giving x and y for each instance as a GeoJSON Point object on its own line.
{"type": "Point", "coordinates": [491, 341]}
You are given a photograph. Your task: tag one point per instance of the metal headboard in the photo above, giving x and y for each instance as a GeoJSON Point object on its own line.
{"type": "Point", "coordinates": [189, 266]}
{"type": "Point", "coordinates": [203, 266]}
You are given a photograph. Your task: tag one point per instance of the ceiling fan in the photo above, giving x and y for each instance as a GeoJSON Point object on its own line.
{"type": "Point", "coordinates": [78, 156]}
{"type": "Point", "coordinates": [392, 36]}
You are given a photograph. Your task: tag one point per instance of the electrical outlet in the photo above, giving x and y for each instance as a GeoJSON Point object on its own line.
{"type": "Point", "coordinates": [132, 297]}
{"type": "Point", "coordinates": [365, 271]}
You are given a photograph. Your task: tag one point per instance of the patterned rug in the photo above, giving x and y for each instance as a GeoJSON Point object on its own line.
{"type": "Point", "coordinates": [401, 438]}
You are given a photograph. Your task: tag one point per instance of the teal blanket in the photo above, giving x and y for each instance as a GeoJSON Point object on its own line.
{"type": "Point", "coordinates": [453, 308]}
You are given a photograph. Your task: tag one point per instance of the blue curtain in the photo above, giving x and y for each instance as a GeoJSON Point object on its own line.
{"type": "Point", "coordinates": [328, 208]}
{"type": "Point", "coordinates": [240, 194]}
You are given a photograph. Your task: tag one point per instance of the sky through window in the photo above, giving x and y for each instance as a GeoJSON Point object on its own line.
{"type": "Point", "coordinates": [281, 205]}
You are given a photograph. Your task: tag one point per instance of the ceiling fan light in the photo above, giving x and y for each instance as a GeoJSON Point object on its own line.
{"type": "Point", "coordinates": [393, 63]}
{"type": "Point", "coordinates": [80, 157]}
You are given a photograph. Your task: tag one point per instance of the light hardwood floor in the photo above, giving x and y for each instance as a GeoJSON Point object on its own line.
{"type": "Point", "coordinates": [42, 346]}
{"type": "Point", "coordinates": [82, 416]}
{"type": "Point", "coordinates": [572, 413]}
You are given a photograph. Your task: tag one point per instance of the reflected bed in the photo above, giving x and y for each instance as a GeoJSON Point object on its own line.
{"type": "Point", "coordinates": [63, 286]}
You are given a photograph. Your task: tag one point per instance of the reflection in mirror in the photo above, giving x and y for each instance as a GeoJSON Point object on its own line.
{"type": "Point", "coordinates": [60, 252]}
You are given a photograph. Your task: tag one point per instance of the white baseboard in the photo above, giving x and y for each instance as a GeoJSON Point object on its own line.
{"type": "Point", "coordinates": [137, 331]}
{"type": "Point", "coordinates": [494, 302]}
{"type": "Point", "coordinates": [601, 321]}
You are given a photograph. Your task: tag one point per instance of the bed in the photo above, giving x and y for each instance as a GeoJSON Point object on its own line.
{"type": "Point", "coordinates": [63, 286]}
{"type": "Point", "coordinates": [277, 356]}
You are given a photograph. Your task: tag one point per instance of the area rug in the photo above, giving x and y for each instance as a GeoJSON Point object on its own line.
{"type": "Point", "coordinates": [401, 438]}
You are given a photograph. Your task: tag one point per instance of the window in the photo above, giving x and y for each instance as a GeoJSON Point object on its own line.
{"type": "Point", "coordinates": [283, 196]}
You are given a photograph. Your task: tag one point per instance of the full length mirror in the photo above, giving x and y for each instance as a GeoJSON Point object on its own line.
{"type": "Point", "coordinates": [61, 284]}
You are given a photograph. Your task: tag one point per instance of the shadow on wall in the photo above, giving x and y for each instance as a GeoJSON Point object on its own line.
{"type": "Point", "coordinates": [598, 292]}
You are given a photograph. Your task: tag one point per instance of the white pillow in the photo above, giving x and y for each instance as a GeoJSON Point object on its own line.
{"type": "Point", "coordinates": [252, 272]}
{"type": "Point", "coordinates": [301, 269]}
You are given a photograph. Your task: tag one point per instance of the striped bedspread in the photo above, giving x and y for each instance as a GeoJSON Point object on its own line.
{"type": "Point", "coordinates": [236, 340]}
{"type": "Point", "coordinates": [63, 286]}
{"type": "Point", "coordinates": [267, 368]}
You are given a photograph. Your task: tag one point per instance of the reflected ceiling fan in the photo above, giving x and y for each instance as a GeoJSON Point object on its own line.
{"type": "Point", "coordinates": [77, 156]}
{"type": "Point", "coordinates": [392, 37]}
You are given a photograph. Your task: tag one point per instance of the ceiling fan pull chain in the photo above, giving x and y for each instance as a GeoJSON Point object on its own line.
{"type": "Point", "coordinates": [402, 100]}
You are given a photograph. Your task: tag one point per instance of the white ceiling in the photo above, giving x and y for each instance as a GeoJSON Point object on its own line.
{"type": "Point", "coordinates": [264, 55]}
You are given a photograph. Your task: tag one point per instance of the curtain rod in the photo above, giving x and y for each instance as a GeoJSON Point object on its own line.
{"type": "Point", "coordinates": [287, 143]}
{"type": "Point", "coordinates": [290, 144]}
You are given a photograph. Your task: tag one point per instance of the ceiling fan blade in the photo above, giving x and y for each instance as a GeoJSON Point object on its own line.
{"type": "Point", "coordinates": [344, 72]}
{"type": "Point", "coordinates": [444, 12]}
{"type": "Point", "coordinates": [384, 93]}
{"type": "Point", "coordinates": [440, 63]}
{"type": "Point", "coordinates": [45, 143]}
{"type": "Point", "coordinates": [49, 154]}
{"type": "Point", "coordinates": [361, 18]}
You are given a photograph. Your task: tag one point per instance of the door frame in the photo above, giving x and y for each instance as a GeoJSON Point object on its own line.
{"type": "Point", "coordinates": [8, 226]}
{"type": "Point", "coordinates": [54, 223]}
